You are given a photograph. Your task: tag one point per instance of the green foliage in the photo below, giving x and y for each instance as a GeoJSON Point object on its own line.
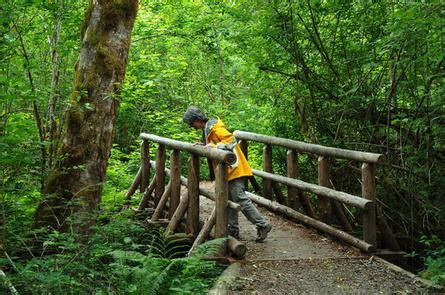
{"type": "Point", "coordinates": [434, 259]}
{"type": "Point", "coordinates": [364, 75]}
{"type": "Point", "coordinates": [121, 257]}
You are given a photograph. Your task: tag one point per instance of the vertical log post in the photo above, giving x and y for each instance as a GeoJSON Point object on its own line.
{"type": "Point", "coordinates": [221, 200]}
{"type": "Point", "coordinates": [244, 146]}
{"type": "Point", "coordinates": [175, 181]}
{"type": "Point", "coordinates": [293, 192]}
{"type": "Point", "coordinates": [193, 196]}
{"type": "Point", "coordinates": [160, 173]}
{"type": "Point", "coordinates": [332, 206]}
{"type": "Point", "coordinates": [324, 209]}
{"type": "Point", "coordinates": [267, 167]}
{"type": "Point", "coordinates": [145, 166]}
{"type": "Point", "coordinates": [368, 192]}
{"type": "Point", "coordinates": [292, 172]}
{"type": "Point", "coordinates": [211, 170]}
{"type": "Point", "coordinates": [135, 184]}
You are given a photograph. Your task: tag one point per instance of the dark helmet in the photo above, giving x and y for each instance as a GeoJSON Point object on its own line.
{"type": "Point", "coordinates": [192, 114]}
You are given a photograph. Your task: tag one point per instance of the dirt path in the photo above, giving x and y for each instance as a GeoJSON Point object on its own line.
{"type": "Point", "coordinates": [295, 259]}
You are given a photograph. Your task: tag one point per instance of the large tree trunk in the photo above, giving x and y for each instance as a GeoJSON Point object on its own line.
{"type": "Point", "coordinates": [74, 186]}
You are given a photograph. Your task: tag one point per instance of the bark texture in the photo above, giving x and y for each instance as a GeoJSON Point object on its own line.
{"type": "Point", "coordinates": [76, 179]}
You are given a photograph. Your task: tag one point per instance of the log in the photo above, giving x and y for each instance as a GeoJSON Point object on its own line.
{"type": "Point", "coordinates": [267, 167]}
{"type": "Point", "coordinates": [332, 206]}
{"type": "Point", "coordinates": [205, 231]}
{"type": "Point", "coordinates": [160, 173]}
{"type": "Point", "coordinates": [162, 202]}
{"type": "Point", "coordinates": [237, 248]}
{"type": "Point", "coordinates": [295, 215]}
{"type": "Point", "coordinates": [244, 146]}
{"type": "Point", "coordinates": [340, 213]}
{"type": "Point", "coordinates": [175, 181]}
{"type": "Point", "coordinates": [324, 206]}
{"type": "Point", "coordinates": [134, 185]}
{"type": "Point", "coordinates": [368, 192]}
{"type": "Point", "coordinates": [145, 166]}
{"type": "Point", "coordinates": [293, 172]}
{"type": "Point", "coordinates": [256, 187]}
{"type": "Point", "coordinates": [177, 216]}
{"type": "Point", "coordinates": [312, 148]}
{"type": "Point", "coordinates": [387, 235]}
{"type": "Point", "coordinates": [221, 198]}
{"type": "Point", "coordinates": [193, 193]}
{"type": "Point", "coordinates": [211, 170]}
{"type": "Point", "coordinates": [278, 193]}
{"type": "Point", "coordinates": [203, 192]}
{"type": "Point", "coordinates": [319, 190]}
{"type": "Point", "coordinates": [146, 197]}
{"type": "Point", "coordinates": [215, 154]}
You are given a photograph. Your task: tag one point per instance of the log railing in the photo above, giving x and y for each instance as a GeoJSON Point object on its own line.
{"type": "Point", "coordinates": [169, 194]}
{"type": "Point", "coordinates": [330, 201]}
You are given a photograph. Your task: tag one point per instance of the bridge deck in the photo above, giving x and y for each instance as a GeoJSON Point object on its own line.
{"type": "Point", "coordinates": [295, 259]}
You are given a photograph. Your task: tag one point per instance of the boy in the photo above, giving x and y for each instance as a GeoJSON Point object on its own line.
{"type": "Point", "coordinates": [217, 136]}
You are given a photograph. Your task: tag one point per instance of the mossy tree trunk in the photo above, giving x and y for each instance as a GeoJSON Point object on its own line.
{"type": "Point", "coordinates": [74, 185]}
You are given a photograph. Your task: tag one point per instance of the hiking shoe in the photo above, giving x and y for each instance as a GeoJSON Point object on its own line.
{"type": "Point", "coordinates": [262, 232]}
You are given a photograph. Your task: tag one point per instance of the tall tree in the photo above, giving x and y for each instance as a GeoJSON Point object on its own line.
{"type": "Point", "coordinates": [74, 185]}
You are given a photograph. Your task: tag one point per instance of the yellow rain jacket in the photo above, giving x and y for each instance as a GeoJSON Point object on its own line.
{"type": "Point", "coordinates": [216, 134]}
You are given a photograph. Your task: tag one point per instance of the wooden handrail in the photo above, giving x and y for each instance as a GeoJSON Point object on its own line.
{"type": "Point", "coordinates": [311, 148]}
{"type": "Point", "coordinates": [319, 190]}
{"type": "Point", "coordinates": [228, 158]}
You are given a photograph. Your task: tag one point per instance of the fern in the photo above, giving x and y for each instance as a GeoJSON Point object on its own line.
{"type": "Point", "coordinates": [208, 249]}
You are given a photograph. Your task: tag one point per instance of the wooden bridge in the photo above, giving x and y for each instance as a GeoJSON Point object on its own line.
{"type": "Point", "coordinates": [318, 206]}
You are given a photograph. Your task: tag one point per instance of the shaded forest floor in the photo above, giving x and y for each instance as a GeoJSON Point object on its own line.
{"type": "Point", "coordinates": [295, 259]}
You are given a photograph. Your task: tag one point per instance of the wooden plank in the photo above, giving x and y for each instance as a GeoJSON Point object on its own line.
{"type": "Point", "coordinates": [175, 181]}
{"type": "Point", "coordinates": [193, 193]}
{"type": "Point", "coordinates": [145, 166]}
{"type": "Point", "coordinates": [267, 167]}
{"type": "Point", "coordinates": [311, 148]}
{"type": "Point", "coordinates": [160, 173]}
{"type": "Point", "coordinates": [221, 198]}
{"type": "Point", "coordinates": [368, 192]}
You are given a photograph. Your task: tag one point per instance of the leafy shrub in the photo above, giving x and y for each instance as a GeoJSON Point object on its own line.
{"type": "Point", "coordinates": [434, 259]}
{"type": "Point", "coordinates": [120, 257]}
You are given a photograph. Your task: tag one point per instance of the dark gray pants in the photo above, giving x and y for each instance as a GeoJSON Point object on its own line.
{"type": "Point", "coordinates": [237, 194]}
